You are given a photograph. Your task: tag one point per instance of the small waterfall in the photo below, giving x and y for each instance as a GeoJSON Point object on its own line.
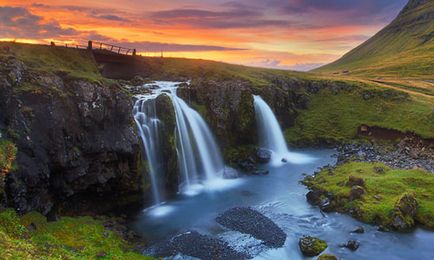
{"type": "Point", "coordinates": [199, 157]}
{"type": "Point", "coordinates": [149, 128]}
{"type": "Point", "coordinates": [270, 133]}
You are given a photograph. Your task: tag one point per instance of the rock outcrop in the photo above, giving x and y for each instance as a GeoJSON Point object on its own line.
{"type": "Point", "coordinates": [76, 141]}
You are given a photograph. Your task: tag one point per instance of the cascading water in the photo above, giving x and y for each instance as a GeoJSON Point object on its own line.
{"type": "Point", "coordinates": [271, 135]}
{"type": "Point", "coordinates": [199, 158]}
{"type": "Point", "coordinates": [149, 128]}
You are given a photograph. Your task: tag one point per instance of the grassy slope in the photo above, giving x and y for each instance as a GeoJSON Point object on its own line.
{"type": "Point", "coordinates": [68, 238]}
{"type": "Point", "coordinates": [337, 117]}
{"type": "Point", "coordinates": [390, 185]}
{"type": "Point", "coordinates": [405, 48]}
{"type": "Point", "coordinates": [45, 59]}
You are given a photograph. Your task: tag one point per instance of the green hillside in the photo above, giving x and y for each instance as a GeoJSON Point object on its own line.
{"type": "Point", "coordinates": [403, 49]}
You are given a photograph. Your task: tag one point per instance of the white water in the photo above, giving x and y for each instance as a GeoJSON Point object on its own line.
{"type": "Point", "coordinates": [271, 135]}
{"type": "Point", "coordinates": [199, 158]}
{"type": "Point", "coordinates": [150, 128]}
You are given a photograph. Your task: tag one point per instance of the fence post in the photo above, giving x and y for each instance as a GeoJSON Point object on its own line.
{"type": "Point", "coordinates": [134, 52]}
{"type": "Point", "coordinates": [52, 44]}
{"type": "Point", "coordinates": [89, 45]}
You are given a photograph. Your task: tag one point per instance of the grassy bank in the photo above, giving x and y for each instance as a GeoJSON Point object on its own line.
{"type": "Point", "coordinates": [385, 189]}
{"type": "Point", "coordinates": [336, 116]}
{"type": "Point", "coordinates": [31, 236]}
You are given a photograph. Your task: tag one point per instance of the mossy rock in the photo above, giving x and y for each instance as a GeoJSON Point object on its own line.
{"type": "Point", "coordinates": [312, 246]}
{"type": "Point", "coordinates": [327, 257]}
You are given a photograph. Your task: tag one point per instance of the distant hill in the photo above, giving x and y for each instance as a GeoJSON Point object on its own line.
{"type": "Point", "coordinates": [403, 49]}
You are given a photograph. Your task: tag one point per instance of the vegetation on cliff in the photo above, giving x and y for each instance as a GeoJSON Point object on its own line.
{"type": "Point", "coordinates": [31, 236]}
{"type": "Point", "coordinates": [375, 193]}
{"type": "Point", "coordinates": [404, 48]}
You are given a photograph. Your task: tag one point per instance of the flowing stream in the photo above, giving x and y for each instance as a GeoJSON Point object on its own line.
{"type": "Point", "coordinates": [281, 197]}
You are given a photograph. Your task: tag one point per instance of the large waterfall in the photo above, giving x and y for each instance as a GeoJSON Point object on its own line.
{"type": "Point", "coordinates": [271, 136]}
{"type": "Point", "coordinates": [199, 157]}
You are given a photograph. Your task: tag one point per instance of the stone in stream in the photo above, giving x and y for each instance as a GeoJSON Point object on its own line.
{"type": "Point", "coordinates": [196, 245]}
{"type": "Point", "coordinates": [353, 245]}
{"type": "Point", "coordinates": [311, 246]}
{"type": "Point", "coordinates": [230, 173]}
{"type": "Point", "coordinates": [358, 230]}
{"type": "Point", "coordinates": [249, 221]}
{"type": "Point", "coordinates": [263, 155]}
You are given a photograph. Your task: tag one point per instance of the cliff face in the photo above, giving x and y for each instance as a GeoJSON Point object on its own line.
{"type": "Point", "coordinates": [76, 141]}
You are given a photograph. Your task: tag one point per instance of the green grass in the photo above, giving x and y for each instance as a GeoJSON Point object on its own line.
{"type": "Point", "coordinates": [404, 48]}
{"type": "Point", "coordinates": [390, 185]}
{"type": "Point", "coordinates": [336, 117]}
{"type": "Point", "coordinates": [59, 60]}
{"type": "Point", "coordinates": [180, 68]}
{"type": "Point", "coordinates": [68, 238]}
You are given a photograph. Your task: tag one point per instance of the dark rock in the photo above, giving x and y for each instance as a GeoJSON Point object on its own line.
{"type": "Point", "coordinates": [359, 230]}
{"type": "Point", "coordinates": [379, 170]}
{"type": "Point", "coordinates": [356, 192]}
{"type": "Point", "coordinates": [355, 181]}
{"type": "Point", "coordinates": [79, 146]}
{"type": "Point", "coordinates": [353, 245]}
{"type": "Point", "coordinates": [196, 245]}
{"type": "Point", "coordinates": [311, 246]}
{"type": "Point", "coordinates": [263, 155]}
{"type": "Point", "coordinates": [101, 254]}
{"type": "Point", "coordinates": [249, 221]}
{"type": "Point", "coordinates": [230, 173]}
{"type": "Point", "coordinates": [284, 160]}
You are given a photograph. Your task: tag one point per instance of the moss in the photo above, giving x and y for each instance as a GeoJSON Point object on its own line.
{"type": "Point", "coordinates": [384, 190]}
{"type": "Point", "coordinates": [327, 257]}
{"type": "Point", "coordinates": [312, 246]}
{"type": "Point", "coordinates": [68, 238]}
{"type": "Point", "coordinates": [8, 152]}
{"type": "Point", "coordinates": [233, 155]}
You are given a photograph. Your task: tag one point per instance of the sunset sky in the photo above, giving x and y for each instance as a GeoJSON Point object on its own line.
{"type": "Point", "coordinates": [287, 34]}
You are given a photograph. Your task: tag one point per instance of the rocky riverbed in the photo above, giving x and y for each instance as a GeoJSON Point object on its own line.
{"type": "Point", "coordinates": [411, 152]}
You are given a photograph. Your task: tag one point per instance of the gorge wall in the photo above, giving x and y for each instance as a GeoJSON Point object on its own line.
{"type": "Point", "coordinates": [76, 140]}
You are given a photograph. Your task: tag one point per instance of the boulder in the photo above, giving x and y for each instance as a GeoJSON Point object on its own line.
{"type": "Point", "coordinates": [356, 192]}
{"type": "Point", "coordinates": [358, 230]}
{"type": "Point", "coordinates": [230, 173]}
{"type": "Point", "coordinates": [407, 204]}
{"type": "Point", "coordinates": [263, 155]}
{"type": "Point", "coordinates": [252, 222]}
{"type": "Point", "coordinates": [311, 246]}
{"type": "Point", "coordinates": [353, 180]}
{"type": "Point", "coordinates": [327, 257]}
{"type": "Point", "coordinates": [353, 245]}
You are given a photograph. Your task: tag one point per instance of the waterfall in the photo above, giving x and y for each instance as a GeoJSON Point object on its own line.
{"type": "Point", "coordinates": [271, 136]}
{"type": "Point", "coordinates": [270, 133]}
{"type": "Point", "coordinates": [149, 128]}
{"type": "Point", "coordinates": [199, 157]}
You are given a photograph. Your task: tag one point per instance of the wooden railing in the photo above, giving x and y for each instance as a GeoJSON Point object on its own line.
{"type": "Point", "coordinates": [112, 48]}
{"type": "Point", "coordinates": [99, 46]}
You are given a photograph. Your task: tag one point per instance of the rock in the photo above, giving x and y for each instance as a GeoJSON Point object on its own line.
{"type": "Point", "coordinates": [353, 180]}
{"type": "Point", "coordinates": [327, 257]}
{"type": "Point", "coordinates": [101, 254]}
{"type": "Point", "coordinates": [196, 245]}
{"type": "Point", "coordinates": [311, 246]}
{"type": "Point", "coordinates": [407, 204]}
{"type": "Point", "coordinates": [263, 155]}
{"type": "Point", "coordinates": [230, 173]}
{"type": "Point", "coordinates": [378, 197]}
{"type": "Point", "coordinates": [284, 160]}
{"type": "Point", "coordinates": [356, 192]}
{"type": "Point", "coordinates": [359, 230]}
{"type": "Point", "coordinates": [353, 245]}
{"type": "Point", "coordinates": [249, 221]}
{"type": "Point", "coordinates": [379, 170]}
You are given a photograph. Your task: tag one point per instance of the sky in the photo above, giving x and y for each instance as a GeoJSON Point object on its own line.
{"type": "Point", "coordinates": [284, 34]}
